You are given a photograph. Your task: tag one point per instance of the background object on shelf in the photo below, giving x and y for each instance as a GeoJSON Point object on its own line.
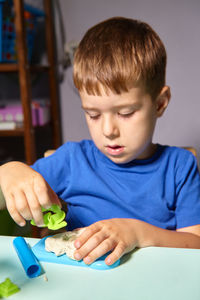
{"type": "Point", "coordinates": [9, 125]}
{"type": "Point", "coordinates": [11, 115]}
{"type": "Point", "coordinates": [42, 112]}
{"type": "Point", "coordinates": [8, 51]}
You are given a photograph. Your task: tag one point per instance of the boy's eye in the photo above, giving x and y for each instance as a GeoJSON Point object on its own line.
{"type": "Point", "coordinates": [93, 117]}
{"type": "Point", "coordinates": [126, 115]}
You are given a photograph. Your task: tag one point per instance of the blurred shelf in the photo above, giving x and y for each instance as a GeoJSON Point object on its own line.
{"type": "Point", "coordinates": [8, 67]}
{"type": "Point", "coordinates": [24, 69]}
{"type": "Point", "coordinates": [12, 132]}
{"type": "Point", "coordinates": [15, 68]}
{"type": "Point", "coordinates": [21, 131]}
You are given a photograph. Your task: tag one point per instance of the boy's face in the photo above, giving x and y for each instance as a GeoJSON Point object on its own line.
{"type": "Point", "coordinates": [122, 126]}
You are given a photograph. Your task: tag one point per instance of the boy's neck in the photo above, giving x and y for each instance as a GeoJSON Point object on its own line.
{"type": "Point", "coordinates": [149, 152]}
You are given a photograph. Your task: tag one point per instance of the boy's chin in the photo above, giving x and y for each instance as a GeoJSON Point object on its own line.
{"type": "Point", "coordinates": [119, 159]}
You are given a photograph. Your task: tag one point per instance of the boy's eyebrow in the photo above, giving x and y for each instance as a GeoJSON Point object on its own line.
{"type": "Point", "coordinates": [132, 105]}
{"type": "Point", "coordinates": [88, 108]}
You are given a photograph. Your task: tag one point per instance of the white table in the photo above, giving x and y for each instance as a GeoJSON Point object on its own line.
{"type": "Point", "coordinates": [145, 274]}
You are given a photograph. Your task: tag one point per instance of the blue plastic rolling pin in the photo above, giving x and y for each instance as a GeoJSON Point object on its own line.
{"type": "Point", "coordinates": [29, 261]}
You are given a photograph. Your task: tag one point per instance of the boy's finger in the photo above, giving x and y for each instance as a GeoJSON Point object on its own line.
{"type": "Point", "coordinates": [10, 203]}
{"type": "Point", "coordinates": [46, 196]}
{"type": "Point", "coordinates": [100, 250]}
{"type": "Point", "coordinates": [42, 193]}
{"type": "Point", "coordinates": [115, 255]}
{"type": "Point", "coordinates": [87, 233]}
{"type": "Point", "coordinates": [37, 215]}
{"type": "Point", "coordinates": [22, 206]}
{"type": "Point", "coordinates": [92, 243]}
{"type": "Point", "coordinates": [35, 207]}
{"type": "Point", "coordinates": [55, 199]}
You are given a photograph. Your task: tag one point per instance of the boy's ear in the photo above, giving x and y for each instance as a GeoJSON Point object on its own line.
{"type": "Point", "coordinates": [162, 100]}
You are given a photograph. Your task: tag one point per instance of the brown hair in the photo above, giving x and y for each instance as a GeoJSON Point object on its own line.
{"type": "Point", "coordinates": [118, 54]}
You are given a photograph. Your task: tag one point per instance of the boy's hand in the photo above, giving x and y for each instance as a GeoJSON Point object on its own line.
{"type": "Point", "coordinates": [25, 191]}
{"type": "Point", "coordinates": [116, 235]}
{"type": "Point", "coordinates": [120, 236]}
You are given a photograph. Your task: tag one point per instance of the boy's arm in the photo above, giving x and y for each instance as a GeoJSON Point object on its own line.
{"type": "Point", "coordinates": [25, 191]}
{"type": "Point", "coordinates": [123, 235]}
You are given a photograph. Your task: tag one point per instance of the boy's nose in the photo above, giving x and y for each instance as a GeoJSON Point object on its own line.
{"type": "Point", "coordinates": [109, 128]}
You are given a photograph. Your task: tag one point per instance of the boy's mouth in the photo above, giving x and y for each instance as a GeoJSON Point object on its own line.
{"type": "Point", "coordinates": [114, 149]}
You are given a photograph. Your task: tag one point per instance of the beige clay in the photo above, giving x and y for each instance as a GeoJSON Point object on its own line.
{"type": "Point", "coordinates": [63, 243]}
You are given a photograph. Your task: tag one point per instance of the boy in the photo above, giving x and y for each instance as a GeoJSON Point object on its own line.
{"type": "Point", "coordinates": [126, 191]}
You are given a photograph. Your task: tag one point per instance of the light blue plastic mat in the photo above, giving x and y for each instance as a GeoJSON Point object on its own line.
{"type": "Point", "coordinates": [43, 255]}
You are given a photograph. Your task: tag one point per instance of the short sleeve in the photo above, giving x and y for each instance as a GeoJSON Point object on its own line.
{"type": "Point", "coordinates": [55, 169]}
{"type": "Point", "coordinates": [188, 192]}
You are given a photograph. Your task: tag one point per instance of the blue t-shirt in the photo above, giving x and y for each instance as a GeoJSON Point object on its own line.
{"type": "Point", "coordinates": [163, 190]}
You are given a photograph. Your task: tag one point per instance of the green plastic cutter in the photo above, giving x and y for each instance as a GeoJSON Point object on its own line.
{"type": "Point", "coordinates": [8, 288]}
{"type": "Point", "coordinates": [53, 221]}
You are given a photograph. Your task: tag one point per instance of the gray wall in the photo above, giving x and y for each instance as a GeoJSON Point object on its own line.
{"type": "Point", "coordinates": [178, 24]}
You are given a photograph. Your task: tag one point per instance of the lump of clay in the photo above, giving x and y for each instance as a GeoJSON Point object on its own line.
{"type": "Point", "coordinates": [63, 243]}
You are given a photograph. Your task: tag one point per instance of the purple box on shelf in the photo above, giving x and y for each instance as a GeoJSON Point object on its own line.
{"type": "Point", "coordinates": [14, 113]}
